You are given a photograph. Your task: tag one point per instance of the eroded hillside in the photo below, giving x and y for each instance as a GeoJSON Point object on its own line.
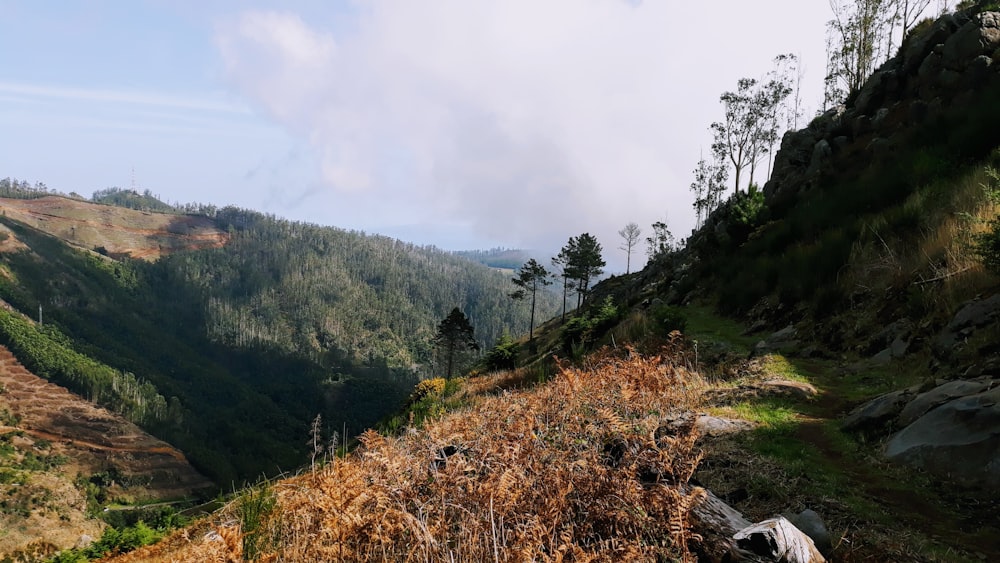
{"type": "Point", "coordinates": [115, 231]}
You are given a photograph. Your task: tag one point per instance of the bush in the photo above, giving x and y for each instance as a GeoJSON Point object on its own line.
{"type": "Point", "coordinates": [668, 319]}
{"type": "Point", "coordinates": [433, 388]}
{"type": "Point", "coordinates": [987, 246]}
{"type": "Point", "coordinates": [503, 355]}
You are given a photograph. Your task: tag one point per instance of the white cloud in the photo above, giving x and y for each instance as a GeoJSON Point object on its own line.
{"type": "Point", "coordinates": [526, 121]}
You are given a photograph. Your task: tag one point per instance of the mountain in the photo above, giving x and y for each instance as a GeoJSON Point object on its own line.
{"type": "Point", "coordinates": [837, 366]}
{"type": "Point", "coordinates": [227, 334]}
{"type": "Point", "coordinates": [500, 258]}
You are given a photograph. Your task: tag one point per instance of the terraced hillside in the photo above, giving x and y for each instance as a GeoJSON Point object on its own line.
{"type": "Point", "coordinates": [56, 449]}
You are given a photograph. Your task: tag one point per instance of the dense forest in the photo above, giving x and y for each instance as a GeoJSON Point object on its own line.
{"type": "Point", "coordinates": [229, 353]}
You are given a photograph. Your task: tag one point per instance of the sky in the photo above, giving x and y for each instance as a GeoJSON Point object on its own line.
{"type": "Point", "coordinates": [458, 123]}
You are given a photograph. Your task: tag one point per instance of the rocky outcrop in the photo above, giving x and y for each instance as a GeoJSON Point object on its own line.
{"type": "Point", "coordinates": [971, 316]}
{"type": "Point", "coordinates": [959, 440]}
{"type": "Point", "coordinates": [952, 59]}
{"type": "Point", "coordinates": [951, 429]}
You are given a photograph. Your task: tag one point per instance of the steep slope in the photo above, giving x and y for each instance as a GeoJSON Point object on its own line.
{"type": "Point", "coordinates": [53, 444]}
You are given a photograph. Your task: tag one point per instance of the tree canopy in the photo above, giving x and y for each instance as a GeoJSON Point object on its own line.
{"type": "Point", "coordinates": [455, 335]}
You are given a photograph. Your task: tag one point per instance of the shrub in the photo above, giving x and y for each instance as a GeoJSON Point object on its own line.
{"type": "Point", "coordinates": [433, 388]}
{"type": "Point", "coordinates": [503, 355]}
{"type": "Point", "coordinates": [987, 246]}
{"type": "Point", "coordinates": [668, 319]}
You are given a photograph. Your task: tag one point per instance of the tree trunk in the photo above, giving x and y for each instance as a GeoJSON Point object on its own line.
{"type": "Point", "coordinates": [531, 324]}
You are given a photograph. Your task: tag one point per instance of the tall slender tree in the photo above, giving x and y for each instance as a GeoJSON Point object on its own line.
{"type": "Point", "coordinates": [454, 336]}
{"type": "Point", "coordinates": [561, 261]}
{"type": "Point", "coordinates": [630, 237]}
{"type": "Point", "coordinates": [660, 242]}
{"type": "Point", "coordinates": [530, 278]}
{"type": "Point", "coordinates": [858, 38]}
{"type": "Point", "coordinates": [585, 264]}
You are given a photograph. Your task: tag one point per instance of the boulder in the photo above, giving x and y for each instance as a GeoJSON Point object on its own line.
{"type": "Point", "coordinates": [784, 340]}
{"type": "Point", "coordinates": [940, 395]}
{"type": "Point", "coordinates": [716, 426]}
{"type": "Point", "coordinates": [959, 440]}
{"type": "Point", "coordinates": [917, 48]}
{"type": "Point", "coordinates": [797, 389]}
{"type": "Point", "coordinates": [879, 413]}
{"type": "Point", "coordinates": [776, 539]}
{"type": "Point", "coordinates": [972, 315]}
{"type": "Point", "coordinates": [977, 37]}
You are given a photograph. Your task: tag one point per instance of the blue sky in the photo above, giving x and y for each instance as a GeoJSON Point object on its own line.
{"type": "Point", "coordinates": [459, 123]}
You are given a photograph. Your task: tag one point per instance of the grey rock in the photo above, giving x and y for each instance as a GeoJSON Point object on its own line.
{"type": "Point", "coordinates": [940, 395]}
{"type": "Point", "coordinates": [862, 125]}
{"type": "Point", "coordinates": [919, 47]}
{"type": "Point", "coordinates": [820, 156]}
{"type": "Point", "coordinates": [977, 37]}
{"type": "Point", "coordinates": [899, 347]}
{"type": "Point", "coordinates": [879, 120]}
{"type": "Point", "coordinates": [882, 358]}
{"type": "Point", "coordinates": [930, 68]}
{"type": "Point", "coordinates": [879, 413]}
{"type": "Point", "coordinates": [959, 441]}
{"type": "Point", "coordinates": [716, 426]}
{"type": "Point", "coordinates": [880, 147]}
{"type": "Point", "coordinates": [973, 314]}
{"type": "Point", "coordinates": [789, 388]}
{"type": "Point", "coordinates": [813, 526]}
{"type": "Point", "coordinates": [949, 78]}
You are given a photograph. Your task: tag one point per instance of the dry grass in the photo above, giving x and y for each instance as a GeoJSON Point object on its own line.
{"type": "Point", "coordinates": [573, 470]}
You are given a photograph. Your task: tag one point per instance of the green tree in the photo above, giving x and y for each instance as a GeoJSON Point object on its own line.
{"type": "Point", "coordinates": [454, 336]}
{"type": "Point", "coordinates": [660, 242]}
{"type": "Point", "coordinates": [630, 237]}
{"type": "Point", "coordinates": [561, 261]}
{"type": "Point", "coordinates": [858, 40]}
{"type": "Point", "coordinates": [530, 278]}
{"type": "Point", "coordinates": [585, 263]}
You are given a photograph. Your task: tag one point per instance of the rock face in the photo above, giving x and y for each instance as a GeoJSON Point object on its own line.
{"type": "Point", "coordinates": [953, 58]}
{"type": "Point", "coordinates": [959, 440]}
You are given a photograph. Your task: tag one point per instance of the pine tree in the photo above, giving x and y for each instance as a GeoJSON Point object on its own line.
{"type": "Point", "coordinates": [585, 264]}
{"type": "Point", "coordinates": [455, 335]}
{"type": "Point", "coordinates": [530, 277]}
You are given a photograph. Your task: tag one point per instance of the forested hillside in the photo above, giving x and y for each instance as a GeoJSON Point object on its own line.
{"type": "Point", "coordinates": [232, 351]}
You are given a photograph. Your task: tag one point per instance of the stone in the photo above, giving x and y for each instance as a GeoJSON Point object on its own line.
{"type": "Point", "coordinates": [972, 315]}
{"type": "Point", "coordinates": [796, 389]}
{"type": "Point", "coordinates": [940, 395]}
{"type": "Point", "coordinates": [917, 48]}
{"type": "Point", "coordinates": [899, 347]}
{"type": "Point", "coordinates": [882, 358]}
{"type": "Point", "coordinates": [776, 539]}
{"type": "Point", "coordinates": [716, 426]}
{"type": "Point", "coordinates": [977, 37]}
{"type": "Point", "coordinates": [784, 340]}
{"type": "Point", "coordinates": [879, 413]}
{"type": "Point", "coordinates": [879, 120]}
{"type": "Point", "coordinates": [959, 441]}
{"type": "Point", "coordinates": [813, 526]}
{"type": "Point", "coordinates": [820, 156]}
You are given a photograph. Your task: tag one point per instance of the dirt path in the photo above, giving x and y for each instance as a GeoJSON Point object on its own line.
{"type": "Point", "coordinates": [938, 511]}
